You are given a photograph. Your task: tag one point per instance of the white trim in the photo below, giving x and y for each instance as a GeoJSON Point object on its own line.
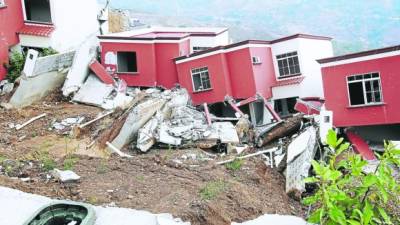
{"type": "Point", "coordinates": [142, 41]}
{"type": "Point", "coordinates": [222, 51]}
{"type": "Point", "coordinates": [209, 78]}
{"type": "Point", "coordinates": [363, 81]}
{"type": "Point", "coordinates": [362, 58]}
{"type": "Point", "coordinates": [23, 9]}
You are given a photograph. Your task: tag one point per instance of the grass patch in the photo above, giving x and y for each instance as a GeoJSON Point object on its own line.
{"type": "Point", "coordinates": [140, 178]}
{"type": "Point", "coordinates": [69, 162]}
{"type": "Point", "coordinates": [2, 158]}
{"type": "Point", "coordinates": [235, 165]}
{"type": "Point", "coordinates": [43, 156]}
{"type": "Point", "coordinates": [212, 189]}
{"type": "Point", "coordinates": [102, 168]}
{"type": "Point", "coordinates": [92, 200]}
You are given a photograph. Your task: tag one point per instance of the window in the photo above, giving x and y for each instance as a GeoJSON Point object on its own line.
{"type": "Point", "coordinates": [38, 11]}
{"type": "Point", "coordinates": [256, 60]}
{"type": "Point", "coordinates": [199, 49]}
{"type": "Point", "coordinates": [288, 64]}
{"type": "Point", "coordinates": [201, 79]}
{"type": "Point", "coordinates": [364, 89]}
{"type": "Point", "coordinates": [126, 62]}
{"type": "Point", "coordinates": [2, 3]}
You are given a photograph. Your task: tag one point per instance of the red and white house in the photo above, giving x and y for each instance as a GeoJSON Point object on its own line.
{"type": "Point", "coordinates": [204, 62]}
{"type": "Point", "coordinates": [362, 91]}
{"type": "Point", "coordinates": [60, 24]}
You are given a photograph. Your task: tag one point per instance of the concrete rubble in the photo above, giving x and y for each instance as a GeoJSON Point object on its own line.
{"type": "Point", "coordinates": [17, 207]}
{"type": "Point", "coordinates": [65, 176]}
{"type": "Point", "coordinates": [270, 219]}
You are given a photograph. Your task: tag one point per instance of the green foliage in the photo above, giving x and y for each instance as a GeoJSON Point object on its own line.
{"type": "Point", "coordinates": [45, 159]}
{"type": "Point", "coordinates": [212, 189]}
{"type": "Point", "coordinates": [347, 195]}
{"type": "Point", "coordinates": [15, 66]}
{"type": "Point", "coordinates": [102, 168]}
{"type": "Point", "coordinates": [234, 165]}
{"type": "Point", "coordinates": [47, 51]}
{"type": "Point", "coordinates": [70, 161]}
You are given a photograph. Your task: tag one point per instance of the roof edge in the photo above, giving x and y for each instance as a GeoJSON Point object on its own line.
{"type": "Point", "coordinates": [359, 54]}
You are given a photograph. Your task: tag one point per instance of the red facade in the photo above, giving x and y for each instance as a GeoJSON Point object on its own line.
{"type": "Point", "coordinates": [337, 94]}
{"type": "Point", "coordinates": [231, 73]}
{"type": "Point", "coordinates": [11, 21]}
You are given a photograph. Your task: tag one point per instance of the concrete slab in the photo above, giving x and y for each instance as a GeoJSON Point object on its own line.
{"type": "Point", "coordinates": [275, 220]}
{"type": "Point", "coordinates": [17, 207]}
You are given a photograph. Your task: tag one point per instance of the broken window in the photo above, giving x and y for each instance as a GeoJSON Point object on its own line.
{"type": "Point", "coordinates": [256, 60]}
{"type": "Point", "coordinates": [364, 89]}
{"type": "Point", "coordinates": [199, 49]}
{"type": "Point", "coordinates": [127, 62]}
{"type": "Point", "coordinates": [201, 79]}
{"type": "Point", "coordinates": [38, 11]}
{"type": "Point", "coordinates": [285, 107]}
{"type": "Point", "coordinates": [288, 64]}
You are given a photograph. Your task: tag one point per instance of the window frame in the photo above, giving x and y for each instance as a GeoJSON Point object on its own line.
{"type": "Point", "coordinates": [256, 60]}
{"type": "Point", "coordinates": [364, 81]}
{"type": "Point", "coordinates": [286, 59]}
{"type": "Point", "coordinates": [192, 74]}
{"type": "Point", "coordinates": [3, 4]}
{"type": "Point", "coordinates": [25, 14]}
{"type": "Point", "coordinates": [137, 64]}
{"type": "Point", "coordinates": [199, 49]}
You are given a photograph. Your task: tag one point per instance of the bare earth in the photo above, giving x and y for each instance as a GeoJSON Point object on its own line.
{"type": "Point", "coordinates": [155, 181]}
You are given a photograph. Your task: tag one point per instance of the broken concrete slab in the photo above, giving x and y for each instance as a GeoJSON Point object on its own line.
{"type": "Point", "coordinates": [137, 118]}
{"type": "Point", "coordinates": [33, 89]}
{"type": "Point", "coordinates": [17, 207]}
{"type": "Point", "coordinates": [93, 92]}
{"type": "Point", "coordinates": [300, 153]}
{"type": "Point", "coordinates": [6, 87]}
{"type": "Point", "coordinates": [275, 219]}
{"type": "Point", "coordinates": [101, 72]}
{"type": "Point", "coordinates": [79, 69]}
{"type": "Point", "coordinates": [225, 132]}
{"type": "Point", "coordinates": [65, 176]}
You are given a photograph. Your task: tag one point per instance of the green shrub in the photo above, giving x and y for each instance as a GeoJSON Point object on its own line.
{"type": "Point", "coordinates": [212, 189]}
{"type": "Point", "coordinates": [15, 66]}
{"type": "Point", "coordinates": [348, 196]}
{"type": "Point", "coordinates": [47, 51]}
{"type": "Point", "coordinates": [70, 161]}
{"type": "Point", "coordinates": [234, 165]}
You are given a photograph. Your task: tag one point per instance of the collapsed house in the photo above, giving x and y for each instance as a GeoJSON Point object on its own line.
{"type": "Point", "coordinates": [203, 61]}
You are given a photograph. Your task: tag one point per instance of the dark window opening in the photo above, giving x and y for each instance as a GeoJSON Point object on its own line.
{"type": "Point", "coordinates": [127, 62]}
{"type": "Point", "coordinates": [364, 89]}
{"type": "Point", "coordinates": [199, 49]}
{"type": "Point", "coordinates": [285, 107]}
{"type": "Point", "coordinates": [288, 64]}
{"type": "Point", "coordinates": [201, 79]}
{"type": "Point", "coordinates": [38, 11]}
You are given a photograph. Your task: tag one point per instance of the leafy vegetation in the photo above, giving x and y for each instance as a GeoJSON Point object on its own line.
{"type": "Point", "coordinates": [349, 196]}
{"type": "Point", "coordinates": [212, 189]}
{"type": "Point", "coordinates": [17, 61]}
{"type": "Point", "coordinates": [70, 161]}
{"type": "Point", "coordinates": [234, 165]}
{"type": "Point", "coordinates": [15, 66]}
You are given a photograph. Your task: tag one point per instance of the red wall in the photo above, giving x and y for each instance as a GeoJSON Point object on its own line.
{"type": "Point", "coordinates": [166, 69]}
{"type": "Point", "coordinates": [264, 73]}
{"type": "Point", "coordinates": [146, 62]}
{"type": "Point", "coordinates": [336, 93]}
{"type": "Point", "coordinates": [11, 20]}
{"type": "Point", "coordinates": [219, 78]}
{"type": "Point", "coordinates": [241, 72]}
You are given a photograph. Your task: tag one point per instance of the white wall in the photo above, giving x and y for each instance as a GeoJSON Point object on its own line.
{"type": "Point", "coordinates": [308, 50]}
{"type": "Point", "coordinates": [311, 50]}
{"type": "Point", "coordinates": [219, 40]}
{"type": "Point", "coordinates": [74, 20]}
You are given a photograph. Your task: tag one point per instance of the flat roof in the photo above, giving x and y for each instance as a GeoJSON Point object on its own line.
{"type": "Point", "coordinates": [165, 33]}
{"type": "Point", "coordinates": [226, 47]}
{"type": "Point", "coordinates": [359, 54]}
